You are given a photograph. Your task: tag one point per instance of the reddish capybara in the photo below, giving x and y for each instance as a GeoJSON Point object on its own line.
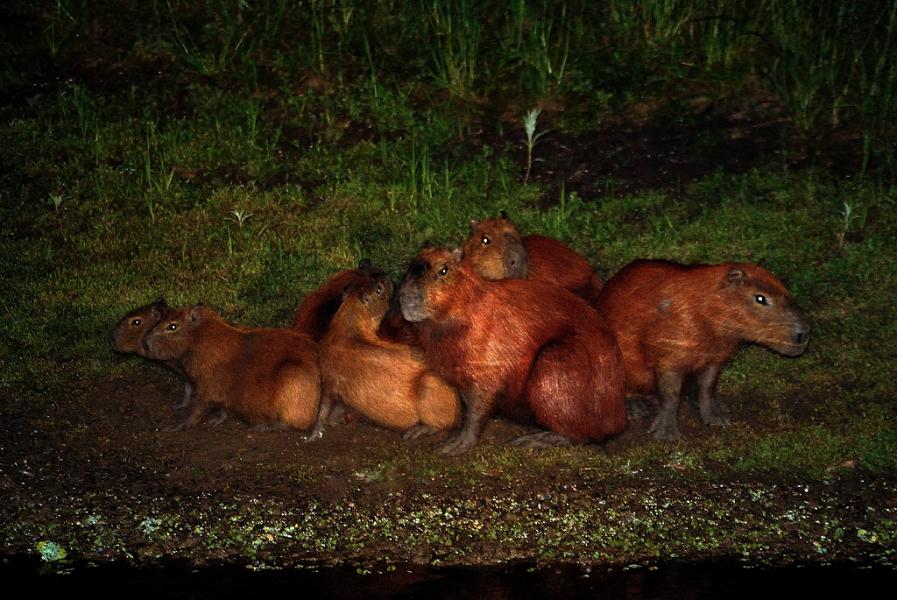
{"type": "Point", "coordinates": [385, 381]}
{"type": "Point", "coordinates": [270, 377]}
{"type": "Point", "coordinates": [674, 321]}
{"type": "Point", "coordinates": [527, 350]}
{"type": "Point", "coordinates": [496, 249]}
{"type": "Point", "coordinates": [128, 334]}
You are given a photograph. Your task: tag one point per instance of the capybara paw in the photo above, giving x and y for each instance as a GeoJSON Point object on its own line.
{"type": "Point", "coordinates": [182, 426]}
{"type": "Point", "coordinates": [458, 444]}
{"type": "Point", "coordinates": [314, 435]}
{"type": "Point", "coordinates": [418, 431]}
{"type": "Point", "coordinates": [717, 420]}
{"type": "Point", "coordinates": [542, 439]}
{"type": "Point", "coordinates": [219, 418]}
{"type": "Point", "coordinates": [180, 404]}
{"type": "Point", "coordinates": [270, 426]}
{"type": "Point", "coordinates": [665, 430]}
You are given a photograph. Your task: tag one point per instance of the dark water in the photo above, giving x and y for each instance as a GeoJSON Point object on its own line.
{"type": "Point", "coordinates": [677, 580]}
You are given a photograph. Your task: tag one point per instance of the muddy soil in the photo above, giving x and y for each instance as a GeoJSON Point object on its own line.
{"type": "Point", "coordinates": [93, 473]}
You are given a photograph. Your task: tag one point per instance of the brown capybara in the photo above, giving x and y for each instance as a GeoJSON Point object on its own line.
{"type": "Point", "coordinates": [674, 321]}
{"type": "Point", "coordinates": [527, 350]}
{"type": "Point", "coordinates": [316, 311]}
{"type": "Point", "coordinates": [270, 377]}
{"type": "Point", "coordinates": [385, 381]}
{"type": "Point", "coordinates": [496, 249]}
{"type": "Point", "coordinates": [127, 338]}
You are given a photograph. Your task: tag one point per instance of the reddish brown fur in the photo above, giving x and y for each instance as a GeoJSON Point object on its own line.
{"type": "Point", "coordinates": [528, 350]}
{"type": "Point", "coordinates": [384, 380]}
{"type": "Point", "coordinates": [128, 334]}
{"type": "Point", "coordinates": [546, 259]}
{"type": "Point", "coordinates": [673, 321]}
{"type": "Point", "coordinates": [267, 376]}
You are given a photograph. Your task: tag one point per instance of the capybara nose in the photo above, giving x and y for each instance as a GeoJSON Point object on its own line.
{"type": "Point", "coordinates": [801, 336]}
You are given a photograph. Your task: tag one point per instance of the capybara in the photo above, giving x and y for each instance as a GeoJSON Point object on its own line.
{"type": "Point", "coordinates": [496, 249]}
{"type": "Point", "coordinates": [674, 321]}
{"type": "Point", "coordinates": [527, 350]}
{"type": "Point", "coordinates": [385, 381]}
{"type": "Point", "coordinates": [127, 338]}
{"type": "Point", "coordinates": [316, 311]}
{"type": "Point", "coordinates": [270, 377]}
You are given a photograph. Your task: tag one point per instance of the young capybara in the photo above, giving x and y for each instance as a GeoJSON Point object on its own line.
{"type": "Point", "coordinates": [270, 377]}
{"type": "Point", "coordinates": [527, 350]}
{"type": "Point", "coordinates": [128, 334]}
{"type": "Point", "coordinates": [496, 249]}
{"type": "Point", "coordinates": [385, 381]}
{"type": "Point", "coordinates": [674, 321]}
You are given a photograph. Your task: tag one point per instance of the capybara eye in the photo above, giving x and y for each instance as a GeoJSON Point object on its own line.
{"type": "Point", "coordinates": [761, 299]}
{"type": "Point", "coordinates": [443, 271]}
{"type": "Point", "coordinates": [136, 323]}
{"type": "Point", "coordinates": [485, 241]}
{"type": "Point", "coordinates": [173, 327]}
{"type": "Point", "coordinates": [379, 290]}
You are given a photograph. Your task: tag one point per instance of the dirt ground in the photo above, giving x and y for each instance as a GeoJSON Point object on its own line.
{"type": "Point", "coordinates": [96, 473]}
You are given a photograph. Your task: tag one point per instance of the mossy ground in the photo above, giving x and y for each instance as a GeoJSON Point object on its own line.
{"type": "Point", "coordinates": [135, 166]}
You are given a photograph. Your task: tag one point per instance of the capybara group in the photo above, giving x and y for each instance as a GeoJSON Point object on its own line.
{"type": "Point", "coordinates": [497, 251]}
{"type": "Point", "coordinates": [270, 377]}
{"type": "Point", "coordinates": [530, 351]}
{"type": "Point", "coordinates": [128, 334]}
{"type": "Point", "coordinates": [385, 381]}
{"type": "Point", "coordinates": [674, 321]}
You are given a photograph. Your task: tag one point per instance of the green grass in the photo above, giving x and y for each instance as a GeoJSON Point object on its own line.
{"type": "Point", "coordinates": [249, 170]}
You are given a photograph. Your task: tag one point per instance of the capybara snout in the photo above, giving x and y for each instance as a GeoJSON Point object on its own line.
{"type": "Point", "coordinates": [514, 257]}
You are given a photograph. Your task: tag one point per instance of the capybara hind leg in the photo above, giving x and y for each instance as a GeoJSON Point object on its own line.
{"type": "Point", "coordinates": [641, 407]}
{"type": "Point", "coordinates": [184, 402]}
{"type": "Point", "coordinates": [219, 418]}
{"type": "Point", "coordinates": [438, 405]}
{"type": "Point", "coordinates": [542, 439]}
{"type": "Point", "coordinates": [271, 426]}
{"type": "Point", "coordinates": [665, 426]}
{"type": "Point", "coordinates": [712, 412]}
{"type": "Point", "coordinates": [419, 431]}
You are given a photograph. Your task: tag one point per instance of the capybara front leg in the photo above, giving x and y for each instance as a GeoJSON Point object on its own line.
{"type": "Point", "coordinates": [198, 412]}
{"type": "Point", "coordinates": [419, 431]}
{"type": "Point", "coordinates": [712, 412]}
{"type": "Point", "coordinates": [324, 409]}
{"type": "Point", "coordinates": [185, 400]}
{"type": "Point", "coordinates": [665, 427]}
{"type": "Point", "coordinates": [466, 438]}
{"type": "Point", "coordinates": [542, 439]}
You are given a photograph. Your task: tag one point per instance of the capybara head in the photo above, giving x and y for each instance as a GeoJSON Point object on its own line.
{"type": "Point", "coordinates": [495, 250]}
{"type": "Point", "coordinates": [174, 334]}
{"type": "Point", "coordinates": [127, 335]}
{"type": "Point", "coordinates": [428, 277]}
{"type": "Point", "coordinates": [373, 293]}
{"type": "Point", "coordinates": [762, 310]}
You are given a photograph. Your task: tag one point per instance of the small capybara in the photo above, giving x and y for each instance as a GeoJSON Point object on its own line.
{"type": "Point", "coordinates": [496, 249]}
{"type": "Point", "coordinates": [383, 380]}
{"type": "Point", "coordinates": [674, 321]}
{"type": "Point", "coordinates": [270, 377]}
{"type": "Point", "coordinates": [527, 350]}
{"type": "Point", "coordinates": [128, 334]}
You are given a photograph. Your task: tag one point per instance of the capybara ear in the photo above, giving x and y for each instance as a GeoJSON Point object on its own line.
{"type": "Point", "coordinates": [426, 244]}
{"type": "Point", "coordinates": [159, 307]}
{"type": "Point", "coordinates": [458, 254]}
{"type": "Point", "coordinates": [197, 312]}
{"type": "Point", "coordinates": [365, 263]}
{"type": "Point", "coordinates": [504, 215]}
{"type": "Point", "coordinates": [474, 223]}
{"type": "Point", "coordinates": [735, 276]}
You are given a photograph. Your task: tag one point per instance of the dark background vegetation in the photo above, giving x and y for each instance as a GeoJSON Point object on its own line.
{"type": "Point", "coordinates": [238, 153]}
